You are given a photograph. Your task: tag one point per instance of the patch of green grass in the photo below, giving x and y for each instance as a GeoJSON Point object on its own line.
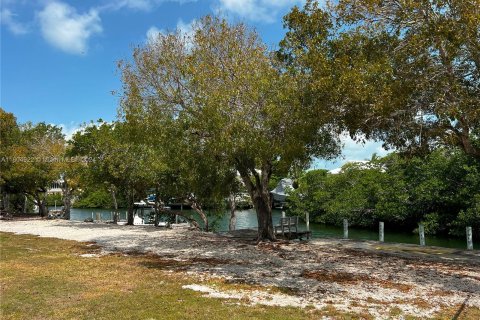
{"type": "Point", "coordinates": [395, 312]}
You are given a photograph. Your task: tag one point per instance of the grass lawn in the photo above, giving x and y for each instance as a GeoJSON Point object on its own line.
{"type": "Point", "coordinates": [44, 278]}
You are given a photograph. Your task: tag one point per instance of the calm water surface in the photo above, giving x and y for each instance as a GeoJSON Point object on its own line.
{"type": "Point", "coordinates": [248, 219]}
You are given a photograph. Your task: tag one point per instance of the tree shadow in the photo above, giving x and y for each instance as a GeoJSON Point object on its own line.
{"type": "Point", "coordinates": [462, 307]}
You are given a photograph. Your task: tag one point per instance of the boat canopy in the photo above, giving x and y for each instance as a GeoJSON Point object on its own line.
{"type": "Point", "coordinates": [280, 192]}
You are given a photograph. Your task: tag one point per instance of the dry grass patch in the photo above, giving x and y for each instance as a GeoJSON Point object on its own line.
{"type": "Point", "coordinates": [335, 276]}
{"type": "Point", "coordinates": [341, 277]}
{"type": "Point", "coordinates": [402, 287]}
{"type": "Point", "coordinates": [459, 312]}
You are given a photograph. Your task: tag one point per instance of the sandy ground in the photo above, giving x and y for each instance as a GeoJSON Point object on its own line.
{"type": "Point", "coordinates": [350, 276]}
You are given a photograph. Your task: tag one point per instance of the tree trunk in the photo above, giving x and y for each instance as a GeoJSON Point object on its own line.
{"type": "Point", "coordinates": [465, 142]}
{"type": "Point", "coordinates": [233, 218]}
{"type": "Point", "coordinates": [42, 208]}
{"type": "Point", "coordinates": [199, 210]}
{"type": "Point", "coordinates": [130, 217]}
{"type": "Point", "coordinates": [258, 190]}
{"type": "Point", "coordinates": [263, 207]}
{"type": "Point", "coordinates": [6, 202]}
{"type": "Point", "coordinates": [115, 205]}
{"type": "Point", "coordinates": [193, 222]}
{"type": "Point", "coordinates": [157, 213]}
{"type": "Point", "coordinates": [25, 205]}
{"type": "Point", "coordinates": [67, 198]}
{"type": "Point", "coordinates": [157, 206]}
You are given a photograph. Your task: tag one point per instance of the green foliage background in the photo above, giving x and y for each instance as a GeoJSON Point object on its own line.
{"type": "Point", "coordinates": [441, 190]}
{"type": "Point", "coordinates": [97, 198]}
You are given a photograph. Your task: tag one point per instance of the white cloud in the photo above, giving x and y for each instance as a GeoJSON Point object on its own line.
{"type": "Point", "coordinates": [356, 151]}
{"type": "Point", "coordinates": [152, 34]}
{"type": "Point", "coordinates": [187, 29]}
{"type": "Point", "coordinates": [67, 30]}
{"type": "Point", "coordinates": [141, 5]}
{"type": "Point", "coordinates": [8, 19]}
{"type": "Point", "coordinates": [256, 10]}
{"type": "Point", "coordinates": [353, 151]}
{"type": "Point", "coordinates": [69, 129]}
{"type": "Point", "coordinates": [144, 5]}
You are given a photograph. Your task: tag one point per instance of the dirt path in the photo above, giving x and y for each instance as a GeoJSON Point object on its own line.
{"type": "Point", "coordinates": [364, 277]}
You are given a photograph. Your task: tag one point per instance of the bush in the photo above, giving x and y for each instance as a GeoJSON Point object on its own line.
{"type": "Point", "coordinates": [98, 198]}
{"type": "Point", "coordinates": [54, 198]}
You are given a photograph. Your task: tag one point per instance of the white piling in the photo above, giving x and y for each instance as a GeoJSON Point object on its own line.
{"type": "Point", "coordinates": [345, 228]}
{"type": "Point", "coordinates": [92, 215]}
{"type": "Point", "coordinates": [307, 220]}
{"type": "Point", "coordinates": [176, 219]}
{"type": "Point", "coordinates": [421, 233]}
{"type": "Point", "coordinates": [469, 238]}
{"type": "Point", "coordinates": [381, 232]}
{"type": "Point", "coordinates": [283, 214]}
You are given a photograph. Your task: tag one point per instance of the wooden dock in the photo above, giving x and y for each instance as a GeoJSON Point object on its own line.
{"type": "Point", "coordinates": [251, 234]}
{"type": "Point", "coordinates": [294, 235]}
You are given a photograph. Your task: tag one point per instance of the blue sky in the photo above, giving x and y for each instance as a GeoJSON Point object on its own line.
{"type": "Point", "coordinates": [58, 58]}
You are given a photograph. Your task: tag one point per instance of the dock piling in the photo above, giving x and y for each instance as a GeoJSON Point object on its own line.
{"type": "Point", "coordinates": [381, 232]}
{"type": "Point", "coordinates": [469, 238]}
{"type": "Point", "coordinates": [345, 228]}
{"type": "Point", "coordinates": [421, 233]}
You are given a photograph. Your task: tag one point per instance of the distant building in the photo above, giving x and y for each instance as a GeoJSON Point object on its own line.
{"type": "Point", "coordinates": [56, 187]}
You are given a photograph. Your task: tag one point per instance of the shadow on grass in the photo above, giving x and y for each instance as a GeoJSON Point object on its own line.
{"type": "Point", "coordinates": [461, 309]}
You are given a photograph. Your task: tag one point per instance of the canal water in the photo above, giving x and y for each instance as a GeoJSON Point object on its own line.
{"type": "Point", "coordinates": [248, 219]}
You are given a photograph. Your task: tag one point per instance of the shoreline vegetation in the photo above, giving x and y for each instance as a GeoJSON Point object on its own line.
{"type": "Point", "coordinates": [318, 230]}
{"type": "Point", "coordinates": [148, 272]}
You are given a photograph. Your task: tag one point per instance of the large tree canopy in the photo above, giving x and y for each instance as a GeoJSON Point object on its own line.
{"type": "Point", "coordinates": [405, 72]}
{"type": "Point", "coordinates": [114, 163]}
{"type": "Point", "coordinates": [221, 93]}
{"type": "Point", "coordinates": [31, 158]}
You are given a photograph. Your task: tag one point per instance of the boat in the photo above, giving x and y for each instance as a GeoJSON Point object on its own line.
{"type": "Point", "coordinates": [280, 193]}
{"type": "Point", "coordinates": [141, 204]}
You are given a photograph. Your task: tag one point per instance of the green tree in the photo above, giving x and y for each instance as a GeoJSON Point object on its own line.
{"type": "Point", "coordinates": [354, 194]}
{"type": "Point", "coordinates": [439, 190]}
{"type": "Point", "coordinates": [310, 194]}
{"type": "Point", "coordinates": [225, 94]}
{"type": "Point", "coordinates": [404, 72]}
{"type": "Point", "coordinates": [441, 185]}
{"type": "Point", "coordinates": [34, 162]}
{"type": "Point", "coordinates": [94, 197]}
{"type": "Point", "coordinates": [113, 162]}
{"type": "Point", "coordinates": [9, 136]}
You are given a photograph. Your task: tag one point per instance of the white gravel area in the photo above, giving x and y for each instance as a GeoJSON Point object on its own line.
{"type": "Point", "coordinates": [347, 275]}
